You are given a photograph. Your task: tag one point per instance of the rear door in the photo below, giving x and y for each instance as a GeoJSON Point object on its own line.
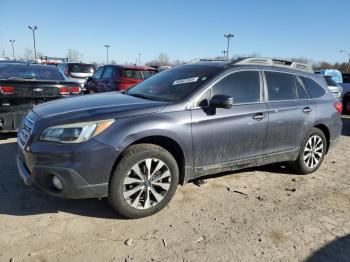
{"type": "Point", "coordinates": [226, 135]}
{"type": "Point", "coordinates": [291, 112]}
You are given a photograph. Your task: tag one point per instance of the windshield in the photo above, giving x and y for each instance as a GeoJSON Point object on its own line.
{"type": "Point", "coordinates": [175, 84]}
{"type": "Point", "coordinates": [30, 72]}
{"type": "Point", "coordinates": [81, 68]}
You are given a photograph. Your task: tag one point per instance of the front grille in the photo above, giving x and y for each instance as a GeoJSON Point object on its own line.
{"type": "Point", "coordinates": [26, 130]}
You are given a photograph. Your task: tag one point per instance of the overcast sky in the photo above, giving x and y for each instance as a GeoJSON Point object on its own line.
{"type": "Point", "coordinates": [182, 29]}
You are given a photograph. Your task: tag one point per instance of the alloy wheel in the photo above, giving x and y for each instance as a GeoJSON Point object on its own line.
{"type": "Point", "coordinates": [313, 151]}
{"type": "Point", "coordinates": [146, 183]}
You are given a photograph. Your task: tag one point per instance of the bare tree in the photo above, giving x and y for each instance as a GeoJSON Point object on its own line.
{"type": "Point", "coordinates": [113, 62]}
{"type": "Point", "coordinates": [28, 54]}
{"type": "Point", "coordinates": [162, 59]}
{"type": "Point", "coordinates": [73, 55]}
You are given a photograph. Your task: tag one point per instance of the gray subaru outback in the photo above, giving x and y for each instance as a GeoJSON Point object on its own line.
{"type": "Point", "coordinates": [196, 119]}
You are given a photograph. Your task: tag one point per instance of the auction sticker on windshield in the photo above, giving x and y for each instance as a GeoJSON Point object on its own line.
{"type": "Point", "coordinates": [185, 81]}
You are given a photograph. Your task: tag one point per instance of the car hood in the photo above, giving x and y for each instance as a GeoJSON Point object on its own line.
{"type": "Point", "coordinates": [88, 106]}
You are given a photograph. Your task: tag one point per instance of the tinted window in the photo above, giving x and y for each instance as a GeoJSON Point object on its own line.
{"type": "Point", "coordinates": [330, 81]}
{"type": "Point", "coordinates": [108, 73]}
{"type": "Point", "coordinates": [81, 68]}
{"type": "Point", "coordinates": [300, 89]}
{"type": "Point", "coordinates": [98, 73]}
{"type": "Point", "coordinates": [146, 74]}
{"type": "Point", "coordinates": [314, 90]}
{"type": "Point", "coordinates": [244, 87]}
{"type": "Point", "coordinates": [280, 86]}
{"type": "Point", "coordinates": [174, 84]}
{"type": "Point", "coordinates": [30, 72]}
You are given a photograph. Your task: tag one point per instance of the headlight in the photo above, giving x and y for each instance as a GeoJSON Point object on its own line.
{"type": "Point", "coordinates": [75, 133]}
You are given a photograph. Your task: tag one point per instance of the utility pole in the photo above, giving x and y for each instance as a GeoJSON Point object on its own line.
{"type": "Point", "coordinates": [13, 49]}
{"type": "Point", "coordinates": [107, 46]}
{"type": "Point", "coordinates": [33, 28]}
{"type": "Point", "coordinates": [228, 36]}
{"type": "Point", "coordinates": [348, 54]}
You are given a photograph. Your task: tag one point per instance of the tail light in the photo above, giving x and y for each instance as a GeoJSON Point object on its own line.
{"type": "Point", "coordinates": [338, 106]}
{"type": "Point", "coordinates": [63, 90]}
{"type": "Point", "coordinates": [75, 90]}
{"type": "Point", "coordinates": [7, 90]}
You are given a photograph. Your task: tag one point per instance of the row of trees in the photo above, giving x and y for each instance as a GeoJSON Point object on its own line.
{"type": "Point", "coordinates": [74, 55]}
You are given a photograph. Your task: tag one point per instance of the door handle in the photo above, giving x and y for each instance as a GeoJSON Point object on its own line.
{"type": "Point", "coordinates": [259, 116]}
{"type": "Point", "coordinates": [307, 110]}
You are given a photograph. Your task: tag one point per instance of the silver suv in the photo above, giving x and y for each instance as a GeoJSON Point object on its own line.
{"type": "Point", "coordinates": [78, 72]}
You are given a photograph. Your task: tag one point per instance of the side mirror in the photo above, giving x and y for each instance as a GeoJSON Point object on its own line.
{"type": "Point", "coordinates": [221, 101]}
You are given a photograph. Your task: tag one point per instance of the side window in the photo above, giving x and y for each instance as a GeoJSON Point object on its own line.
{"type": "Point", "coordinates": [98, 73]}
{"type": "Point", "coordinates": [280, 86]}
{"type": "Point", "coordinates": [314, 89]}
{"type": "Point", "coordinates": [108, 73]}
{"type": "Point", "coordinates": [300, 89]}
{"type": "Point", "coordinates": [243, 86]}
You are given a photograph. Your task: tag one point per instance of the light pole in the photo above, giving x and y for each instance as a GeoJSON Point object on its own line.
{"type": "Point", "coordinates": [139, 58]}
{"type": "Point", "coordinates": [348, 54]}
{"type": "Point", "coordinates": [224, 53]}
{"type": "Point", "coordinates": [228, 36]}
{"type": "Point", "coordinates": [13, 49]}
{"type": "Point", "coordinates": [33, 28]}
{"type": "Point", "coordinates": [107, 46]}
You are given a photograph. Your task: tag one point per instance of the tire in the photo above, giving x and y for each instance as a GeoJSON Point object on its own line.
{"type": "Point", "coordinates": [310, 154]}
{"type": "Point", "coordinates": [134, 192]}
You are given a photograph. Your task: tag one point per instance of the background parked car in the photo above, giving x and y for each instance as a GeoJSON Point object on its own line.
{"type": "Point", "coordinates": [78, 72]}
{"type": "Point", "coordinates": [23, 86]}
{"type": "Point", "coordinates": [117, 77]}
{"type": "Point", "coordinates": [346, 92]}
{"type": "Point", "coordinates": [334, 87]}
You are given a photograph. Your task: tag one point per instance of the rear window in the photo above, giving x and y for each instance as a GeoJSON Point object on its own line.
{"type": "Point", "coordinates": [280, 86]}
{"type": "Point", "coordinates": [81, 68]}
{"type": "Point", "coordinates": [30, 72]}
{"type": "Point", "coordinates": [137, 74]}
{"type": "Point", "coordinates": [314, 89]}
{"type": "Point", "coordinates": [330, 81]}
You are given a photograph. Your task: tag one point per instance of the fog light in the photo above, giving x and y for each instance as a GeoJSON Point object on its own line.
{"type": "Point", "coordinates": [57, 183]}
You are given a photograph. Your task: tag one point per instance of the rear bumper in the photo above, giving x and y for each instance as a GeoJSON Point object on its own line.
{"type": "Point", "coordinates": [10, 121]}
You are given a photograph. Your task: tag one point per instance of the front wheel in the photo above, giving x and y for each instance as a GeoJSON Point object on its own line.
{"type": "Point", "coordinates": [312, 152]}
{"type": "Point", "coordinates": [144, 181]}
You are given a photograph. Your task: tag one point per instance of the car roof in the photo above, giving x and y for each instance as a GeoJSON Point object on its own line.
{"type": "Point", "coordinates": [132, 67]}
{"type": "Point", "coordinates": [27, 65]}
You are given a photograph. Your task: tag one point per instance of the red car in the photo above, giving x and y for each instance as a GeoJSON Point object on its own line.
{"type": "Point", "coordinates": [117, 77]}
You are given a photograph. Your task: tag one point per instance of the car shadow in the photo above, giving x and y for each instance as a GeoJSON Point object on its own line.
{"type": "Point", "coordinates": [335, 251]}
{"type": "Point", "coordinates": [17, 199]}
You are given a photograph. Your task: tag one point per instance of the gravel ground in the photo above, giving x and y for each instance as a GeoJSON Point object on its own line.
{"type": "Point", "coordinates": [261, 214]}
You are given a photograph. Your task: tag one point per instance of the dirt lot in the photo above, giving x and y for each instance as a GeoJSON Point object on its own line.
{"type": "Point", "coordinates": [277, 216]}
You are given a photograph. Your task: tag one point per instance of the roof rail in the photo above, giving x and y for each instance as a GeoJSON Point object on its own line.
{"type": "Point", "coordinates": [196, 60]}
{"type": "Point", "coordinates": [274, 62]}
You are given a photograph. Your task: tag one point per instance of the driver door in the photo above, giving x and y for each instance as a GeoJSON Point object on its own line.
{"type": "Point", "coordinates": [225, 135]}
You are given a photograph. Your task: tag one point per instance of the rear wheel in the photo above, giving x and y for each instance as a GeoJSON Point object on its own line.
{"type": "Point", "coordinates": [312, 152]}
{"type": "Point", "coordinates": [144, 181]}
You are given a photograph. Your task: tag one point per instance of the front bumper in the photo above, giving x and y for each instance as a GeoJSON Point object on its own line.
{"type": "Point", "coordinates": [84, 169]}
